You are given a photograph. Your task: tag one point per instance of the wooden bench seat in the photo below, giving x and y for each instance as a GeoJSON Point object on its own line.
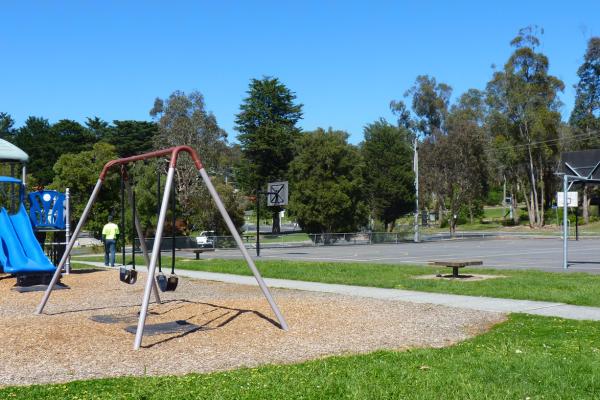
{"type": "Point", "coordinates": [456, 264]}
{"type": "Point", "coordinates": [197, 252]}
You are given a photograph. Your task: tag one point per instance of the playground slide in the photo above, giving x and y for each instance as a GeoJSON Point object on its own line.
{"type": "Point", "coordinates": [20, 252]}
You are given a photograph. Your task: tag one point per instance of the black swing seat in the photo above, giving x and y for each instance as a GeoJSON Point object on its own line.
{"type": "Point", "coordinates": [128, 275]}
{"type": "Point", "coordinates": [167, 284]}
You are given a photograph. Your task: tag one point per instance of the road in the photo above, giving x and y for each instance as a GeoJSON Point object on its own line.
{"type": "Point", "coordinates": [543, 254]}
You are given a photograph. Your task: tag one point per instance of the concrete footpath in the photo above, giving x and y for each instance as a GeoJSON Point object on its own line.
{"type": "Point", "coordinates": [451, 300]}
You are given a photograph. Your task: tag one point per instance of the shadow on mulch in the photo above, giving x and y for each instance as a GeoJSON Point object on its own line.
{"type": "Point", "coordinates": [183, 327]}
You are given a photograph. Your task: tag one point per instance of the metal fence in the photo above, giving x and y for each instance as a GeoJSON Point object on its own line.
{"type": "Point", "coordinates": [406, 234]}
{"type": "Point", "coordinates": [286, 240]}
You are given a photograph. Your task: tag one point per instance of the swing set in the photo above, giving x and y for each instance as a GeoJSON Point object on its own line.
{"type": "Point", "coordinates": [154, 281]}
{"type": "Point", "coordinates": [129, 275]}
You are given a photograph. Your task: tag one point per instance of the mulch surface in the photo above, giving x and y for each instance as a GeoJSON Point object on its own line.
{"type": "Point", "coordinates": [236, 328]}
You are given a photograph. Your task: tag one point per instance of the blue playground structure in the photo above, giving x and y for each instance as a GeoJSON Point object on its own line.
{"type": "Point", "coordinates": [47, 209]}
{"type": "Point", "coordinates": [21, 249]}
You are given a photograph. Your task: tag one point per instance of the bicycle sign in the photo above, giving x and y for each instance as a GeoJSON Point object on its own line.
{"type": "Point", "coordinates": [277, 194]}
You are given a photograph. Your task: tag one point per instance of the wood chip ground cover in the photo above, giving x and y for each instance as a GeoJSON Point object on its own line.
{"type": "Point", "coordinates": [237, 329]}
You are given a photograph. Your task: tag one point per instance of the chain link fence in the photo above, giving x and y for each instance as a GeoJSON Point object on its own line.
{"type": "Point", "coordinates": [404, 234]}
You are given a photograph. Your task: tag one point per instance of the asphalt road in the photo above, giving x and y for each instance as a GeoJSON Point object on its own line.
{"type": "Point", "coordinates": [543, 254]}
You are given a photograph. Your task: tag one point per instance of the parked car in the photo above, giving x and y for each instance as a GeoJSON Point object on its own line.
{"type": "Point", "coordinates": [206, 239]}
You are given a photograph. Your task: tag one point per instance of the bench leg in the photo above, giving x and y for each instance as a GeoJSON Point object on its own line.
{"type": "Point", "coordinates": [455, 272]}
{"type": "Point", "coordinates": [197, 256]}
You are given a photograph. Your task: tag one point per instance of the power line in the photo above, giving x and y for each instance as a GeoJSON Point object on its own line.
{"type": "Point", "coordinates": [566, 139]}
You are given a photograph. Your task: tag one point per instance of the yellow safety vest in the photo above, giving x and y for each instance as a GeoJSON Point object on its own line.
{"type": "Point", "coordinates": [110, 231]}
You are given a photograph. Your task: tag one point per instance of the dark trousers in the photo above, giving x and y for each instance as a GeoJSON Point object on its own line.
{"type": "Point", "coordinates": [110, 248]}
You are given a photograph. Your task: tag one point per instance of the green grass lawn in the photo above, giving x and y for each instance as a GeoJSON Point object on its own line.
{"type": "Point", "coordinates": [527, 357]}
{"type": "Point", "coordinates": [572, 288]}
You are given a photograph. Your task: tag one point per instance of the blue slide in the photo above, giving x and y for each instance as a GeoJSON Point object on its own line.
{"type": "Point", "coordinates": [20, 252]}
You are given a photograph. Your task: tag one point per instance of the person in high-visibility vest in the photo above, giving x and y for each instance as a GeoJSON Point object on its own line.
{"type": "Point", "coordinates": [110, 232]}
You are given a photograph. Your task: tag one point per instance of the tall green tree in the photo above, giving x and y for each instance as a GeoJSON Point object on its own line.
{"type": "Point", "coordinates": [452, 160]}
{"type": "Point", "coordinates": [388, 157]}
{"type": "Point", "coordinates": [268, 133]}
{"type": "Point", "coordinates": [132, 137]}
{"type": "Point", "coordinates": [525, 110]}
{"type": "Point", "coordinates": [327, 184]}
{"type": "Point", "coordinates": [430, 102]}
{"type": "Point", "coordinates": [183, 120]}
{"type": "Point", "coordinates": [585, 117]}
{"type": "Point", "coordinates": [98, 128]}
{"type": "Point", "coordinates": [6, 126]}
{"type": "Point", "coordinates": [79, 172]}
{"type": "Point", "coordinates": [72, 137]}
{"type": "Point", "coordinates": [37, 139]}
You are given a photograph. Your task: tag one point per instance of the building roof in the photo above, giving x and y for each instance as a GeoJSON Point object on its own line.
{"type": "Point", "coordinates": [10, 152]}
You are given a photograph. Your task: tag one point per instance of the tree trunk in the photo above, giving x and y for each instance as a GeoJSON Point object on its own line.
{"type": "Point", "coordinates": [533, 219]}
{"type": "Point", "coordinates": [471, 214]}
{"type": "Point", "coordinates": [276, 223]}
{"type": "Point", "coordinates": [452, 224]}
{"type": "Point", "coordinates": [542, 201]}
{"type": "Point", "coordinates": [528, 203]}
{"type": "Point", "coordinates": [586, 205]}
{"type": "Point", "coordinates": [515, 207]}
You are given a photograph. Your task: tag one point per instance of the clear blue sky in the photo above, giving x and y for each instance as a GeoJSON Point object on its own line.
{"type": "Point", "coordinates": [345, 60]}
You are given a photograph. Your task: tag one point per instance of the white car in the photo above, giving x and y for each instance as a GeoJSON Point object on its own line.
{"type": "Point", "coordinates": [205, 239]}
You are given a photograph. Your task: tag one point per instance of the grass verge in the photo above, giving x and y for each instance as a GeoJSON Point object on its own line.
{"type": "Point", "coordinates": [527, 357]}
{"type": "Point", "coordinates": [571, 288]}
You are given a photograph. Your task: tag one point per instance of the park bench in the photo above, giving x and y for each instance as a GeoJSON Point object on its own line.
{"type": "Point", "coordinates": [197, 252]}
{"type": "Point", "coordinates": [455, 265]}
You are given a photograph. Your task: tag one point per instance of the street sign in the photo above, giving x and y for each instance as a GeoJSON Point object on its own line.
{"type": "Point", "coordinates": [572, 199]}
{"type": "Point", "coordinates": [277, 194]}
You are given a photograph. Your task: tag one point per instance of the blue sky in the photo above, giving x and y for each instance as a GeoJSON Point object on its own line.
{"type": "Point", "coordinates": [345, 60]}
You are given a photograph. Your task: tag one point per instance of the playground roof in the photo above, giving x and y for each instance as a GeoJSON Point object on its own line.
{"type": "Point", "coordinates": [8, 179]}
{"type": "Point", "coordinates": [10, 152]}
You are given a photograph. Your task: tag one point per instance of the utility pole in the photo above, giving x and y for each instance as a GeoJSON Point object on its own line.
{"type": "Point", "coordinates": [416, 170]}
{"type": "Point", "coordinates": [504, 200]}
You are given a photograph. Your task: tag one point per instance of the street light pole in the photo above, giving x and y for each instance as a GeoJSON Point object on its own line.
{"type": "Point", "coordinates": [257, 223]}
{"type": "Point", "coordinates": [416, 170]}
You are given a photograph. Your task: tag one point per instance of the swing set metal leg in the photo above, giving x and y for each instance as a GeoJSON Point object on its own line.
{"type": "Point", "coordinates": [70, 245]}
{"type": "Point", "coordinates": [140, 233]}
{"type": "Point", "coordinates": [242, 248]}
{"type": "Point", "coordinates": [155, 254]}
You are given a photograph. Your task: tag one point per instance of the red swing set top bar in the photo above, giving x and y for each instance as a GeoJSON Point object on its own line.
{"type": "Point", "coordinates": [172, 151]}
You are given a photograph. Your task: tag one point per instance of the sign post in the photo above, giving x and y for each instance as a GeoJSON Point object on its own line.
{"type": "Point", "coordinates": [565, 202]}
{"type": "Point", "coordinates": [277, 195]}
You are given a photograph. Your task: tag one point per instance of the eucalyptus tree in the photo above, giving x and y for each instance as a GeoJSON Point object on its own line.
{"type": "Point", "coordinates": [453, 162]}
{"type": "Point", "coordinates": [429, 102]}
{"type": "Point", "coordinates": [183, 120]}
{"type": "Point", "coordinates": [525, 119]}
{"type": "Point", "coordinates": [585, 117]}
